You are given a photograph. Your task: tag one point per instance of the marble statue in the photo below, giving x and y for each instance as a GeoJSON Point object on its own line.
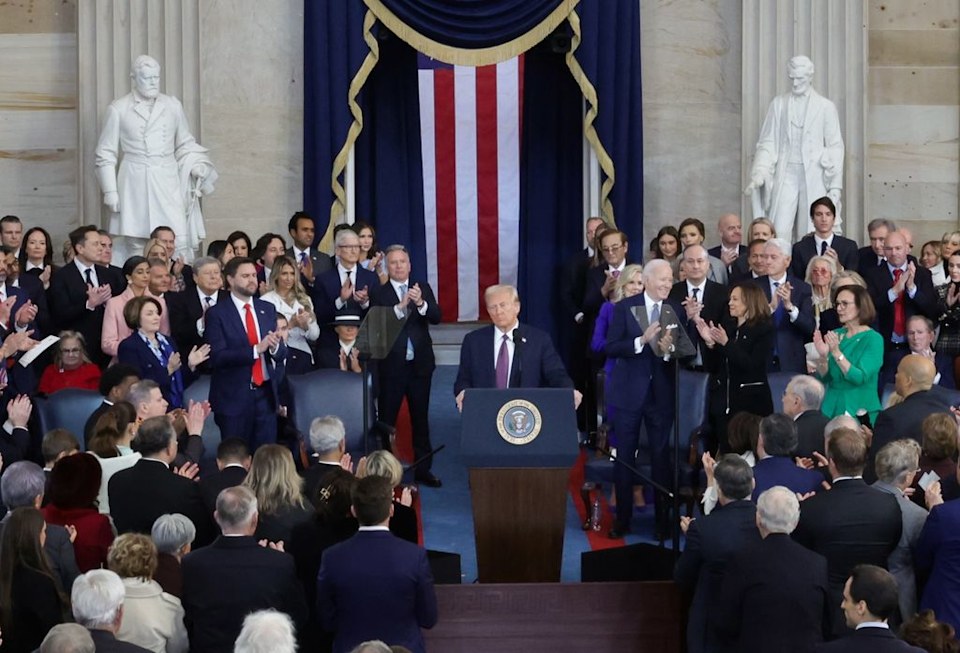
{"type": "Point", "coordinates": [163, 170]}
{"type": "Point", "coordinates": [799, 155]}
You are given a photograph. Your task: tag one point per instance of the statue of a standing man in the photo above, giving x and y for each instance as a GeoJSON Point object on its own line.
{"type": "Point", "coordinates": [799, 156]}
{"type": "Point", "coordinates": [163, 172]}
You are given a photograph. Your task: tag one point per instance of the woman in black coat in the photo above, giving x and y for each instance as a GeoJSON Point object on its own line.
{"type": "Point", "coordinates": [737, 358]}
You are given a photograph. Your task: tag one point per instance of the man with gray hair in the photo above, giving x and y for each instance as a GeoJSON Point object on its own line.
{"type": "Point", "coordinates": [23, 485]}
{"type": "Point", "coordinates": [711, 543]}
{"type": "Point", "coordinates": [235, 576]}
{"type": "Point", "coordinates": [188, 307]}
{"type": "Point", "coordinates": [68, 638]}
{"type": "Point", "coordinates": [266, 631]}
{"type": "Point", "coordinates": [347, 285]}
{"type": "Point", "coordinates": [328, 441]}
{"type": "Point", "coordinates": [97, 602]}
{"type": "Point", "coordinates": [775, 448]}
{"type": "Point", "coordinates": [791, 305]}
{"type": "Point", "coordinates": [173, 535]}
{"type": "Point", "coordinates": [764, 603]}
{"type": "Point", "coordinates": [871, 255]}
{"type": "Point", "coordinates": [801, 401]}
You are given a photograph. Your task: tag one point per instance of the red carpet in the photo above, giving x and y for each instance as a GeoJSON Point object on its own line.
{"type": "Point", "coordinates": [597, 539]}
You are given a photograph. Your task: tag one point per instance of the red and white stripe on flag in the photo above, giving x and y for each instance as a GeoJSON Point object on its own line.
{"type": "Point", "coordinates": [470, 141]}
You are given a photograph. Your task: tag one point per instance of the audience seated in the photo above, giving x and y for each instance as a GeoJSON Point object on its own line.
{"type": "Point", "coordinates": [920, 337]}
{"type": "Point", "coordinates": [111, 444]}
{"type": "Point", "coordinates": [267, 631]}
{"type": "Point", "coordinates": [173, 535]}
{"type": "Point", "coordinates": [71, 367]}
{"type": "Point", "coordinates": [403, 522]}
{"type": "Point", "coordinates": [233, 463]}
{"type": "Point", "coordinates": [274, 481]}
{"type": "Point", "coordinates": [97, 599]}
{"type": "Point", "coordinates": [775, 449]}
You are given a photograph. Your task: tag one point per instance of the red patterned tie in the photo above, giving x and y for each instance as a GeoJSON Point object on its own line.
{"type": "Point", "coordinates": [899, 309]}
{"type": "Point", "coordinates": [253, 338]}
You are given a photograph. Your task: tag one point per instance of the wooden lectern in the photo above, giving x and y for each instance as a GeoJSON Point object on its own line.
{"type": "Point", "coordinates": [519, 445]}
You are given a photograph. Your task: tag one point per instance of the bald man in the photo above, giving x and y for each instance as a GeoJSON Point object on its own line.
{"type": "Point", "coordinates": [731, 240]}
{"type": "Point", "coordinates": [914, 382]}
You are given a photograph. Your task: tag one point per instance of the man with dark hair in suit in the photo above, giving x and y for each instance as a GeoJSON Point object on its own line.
{"type": "Point", "coordinates": [79, 291]}
{"type": "Point", "coordinates": [346, 285]}
{"type": "Point", "coordinates": [310, 260]}
{"type": "Point", "coordinates": [869, 600]}
{"type": "Point", "coordinates": [852, 523]}
{"type": "Point", "coordinates": [234, 576]}
{"type": "Point", "coordinates": [755, 265]}
{"type": "Point", "coordinates": [801, 401]}
{"type": "Point", "coordinates": [189, 307]}
{"type": "Point", "coordinates": [731, 241]}
{"type": "Point", "coordinates": [870, 256]}
{"type": "Point", "coordinates": [114, 384]}
{"type": "Point", "coordinates": [601, 279]}
{"type": "Point", "coordinates": [823, 242]}
{"type": "Point", "coordinates": [375, 585]}
{"type": "Point", "coordinates": [233, 463]}
{"type": "Point", "coordinates": [711, 542]}
{"type": "Point", "coordinates": [792, 308]}
{"type": "Point", "coordinates": [140, 494]}
{"type": "Point", "coordinates": [407, 371]}
{"type": "Point", "coordinates": [764, 604]}
{"type": "Point", "coordinates": [700, 297]}
{"type": "Point", "coordinates": [775, 448]}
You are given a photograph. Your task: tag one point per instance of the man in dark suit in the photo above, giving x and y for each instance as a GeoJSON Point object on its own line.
{"type": "Point", "coordinates": [731, 241]}
{"type": "Point", "coordinates": [140, 494]}
{"type": "Point", "coordinates": [700, 297]}
{"type": "Point", "coordinates": [80, 290]}
{"type": "Point", "coordinates": [233, 463]}
{"type": "Point", "coordinates": [181, 274]}
{"type": "Point", "coordinates": [375, 585]}
{"type": "Point", "coordinates": [823, 242]}
{"type": "Point", "coordinates": [711, 542]}
{"type": "Point", "coordinates": [20, 313]}
{"type": "Point", "coordinates": [407, 370]}
{"type": "Point", "coordinates": [32, 289]}
{"type": "Point", "coordinates": [763, 604]}
{"type": "Point", "coordinates": [114, 384]}
{"type": "Point", "coordinates": [329, 444]}
{"type": "Point", "coordinates": [920, 337]}
{"type": "Point", "coordinates": [97, 601]}
{"type": "Point", "coordinates": [869, 600]}
{"type": "Point", "coordinates": [188, 308]}
{"type": "Point", "coordinates": [870, 256]}
{"type": "Point", "coordinates": [751, 265]}
{"type": "Point", "coordinates": [346, 285]}
{"type": "Point", "coordinates": [899, 289]}
{"type": "Point", "coordinates": [641, 386]}
{"type": "Point", "coordinates": [310, 260]}
{"type": "Point", "coordinates": [775, 448]}
{"type": "Point", "coordinates": [791, 304]}
{"type": "Point", "coordinates": [245, 350]}
{"type": "Point", "coordinates": [601, 279]}
{"type": "Point", "coordinates": [852, 523]}
{"type": "Point", "coordinates": [801, 401]}
{"type": "Point", "coordinates": [106, 259]}
{"type": "Point", "coordinates": [234, 576]}
{"type": "Point", "coordinates": [508, 354]}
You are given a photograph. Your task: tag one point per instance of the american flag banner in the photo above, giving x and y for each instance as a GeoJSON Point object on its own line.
{"type": "Point", "coordinates": [470, 143]}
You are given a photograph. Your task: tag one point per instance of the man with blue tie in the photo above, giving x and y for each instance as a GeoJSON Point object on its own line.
{"type": "Point", "coordinates": [792, 308]}
{"type": "Point", "coordinates": [245, 350]}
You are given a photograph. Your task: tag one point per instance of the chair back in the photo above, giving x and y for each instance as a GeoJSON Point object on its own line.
{"type": "Point", "coordinates": [333, 392]}
{"type": "Point", "coordinates": [69, 409]}
{"type": "Point", "coordinates": [199, 390]}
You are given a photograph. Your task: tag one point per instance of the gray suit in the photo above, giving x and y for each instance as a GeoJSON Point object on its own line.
{"type": "Point", "coordinates": [59, 550]}
{"type": "Point", "coordinates": [900, 562]}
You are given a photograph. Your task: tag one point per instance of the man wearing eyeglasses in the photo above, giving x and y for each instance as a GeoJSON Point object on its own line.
{"type": "Point", "coordinates": [348, 285]}
{"type": "Point", "coordinates": [601, 279]}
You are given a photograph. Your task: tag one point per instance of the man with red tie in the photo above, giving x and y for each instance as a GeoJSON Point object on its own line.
{"type": "Point", "coordinates": [247, 356]}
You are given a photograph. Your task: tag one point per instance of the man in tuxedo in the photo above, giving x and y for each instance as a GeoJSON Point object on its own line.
{"type": "Point", "coordinates": [375, 585]}
{"type": "Point", "coordinates": [775, 448]}
{"type": "Point", "coordinates": [899, 289]}
{"type": "Point", "coordinates": [711, 542]}
{"type": "Point", "coordinates": [346, 285]}
{"type": "Point", "coordinates": [245, 350]}
{"type": "Point", "coordinates": [792, 308]}
{"type": "Point", "coordinates": [801, 401]}
{"type": "Point", "coordinates": [870, 256]}
{"type": "Point", "coordinates": [508, 354]}
{"type": "Point", "coordinates": [96, 599]}
{"type": "Point", "coordinates": [140, 494]}
{"type": "Point", "coordinates": [700, 297]}
{"type": "Point", "coordinates": [234, 576]}
{"type": "Point", "coordinates": [189, 307]}
{"type": "Point", "coordinates": [763, 604]}
{"type": "Point", "coordinates": [641, 386]}
{"type": "Point", "coordinates": [731, 241]}
{"type": "Point", "coordinates": [311, 261]}
{"type": "Point", "coordinates": [869, 600]}
{"type": "Point", "coordinates": [852, 523]}
{"type": "Point", "coordinates": [823, 242]}
{"type": "Point", "coordinates": [407, 370]}
{"type": "Point", "coordinates": [80, 290]}
{"type": "Point", "coordinates": [233, 463]}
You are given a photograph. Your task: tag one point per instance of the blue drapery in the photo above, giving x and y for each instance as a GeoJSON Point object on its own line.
{"type": "Point", "coordinates": [388, 169]}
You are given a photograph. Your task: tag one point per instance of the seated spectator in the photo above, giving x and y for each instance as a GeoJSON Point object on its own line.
{"type": "Point", "coordinates": [68, 638]}
{"type": "Point", "coordinates": [279, 490]}
{"type": "Point", "coordinates": [71, 367]}
{"type": "Point", "coordinates": [292, 301]}
{"type": "Point", "coordinates": [936, 557]}
{"type": "Point", "coordinates": [114, 385]}
{"type": "Point", "coordinates": [154, 355]}
{"type": "Point", "coordinates": [775, 449]}
{"type": "Point", "coordinates": [342, 353]}
{"type": "Point", "coordinates": [22, 486]}
{"type": "Point", "coordinates": [233, 463]}
{"type": "Point", "coordinates": [329, 445]}
{"type": "Point", "coordinates": [920, 337]}
{"type": "Point", "coordinates": [743, 431]}
{"type": "Point", "coordinates": [267, 631]}
{"type": "Point", "coordinates": [97, 599]}
{"type": "Point", "coordinates": [764, 604]}
{"type": "Point", "coordinates": [116, 329]}
{"type": "Point", "coordinates": [57, 444]}
{"type": "Point", "coordinates": [403, 523]}
{"type": "Point", "coordinates": [173, 536]}
{"type": "Point", "coordinates": [924, 631]}
{"type": "Point", "coordinates": [801, 402]}
{"type": "Point", "coordinates": [74, 484]}
{"type": "Point", "coordinates": [152, 618]}
{"type": "Point", "coordinates": [111, 444]}
{"type": "Point", "coordinates": [33, 601]}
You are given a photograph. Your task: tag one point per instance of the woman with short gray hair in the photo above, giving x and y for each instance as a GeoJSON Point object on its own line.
{"type": "Point", "coordinates": [173, 535]}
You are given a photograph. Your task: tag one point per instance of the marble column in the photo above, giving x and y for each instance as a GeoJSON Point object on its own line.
{"type": "Point", "coordinates": [833, 34]}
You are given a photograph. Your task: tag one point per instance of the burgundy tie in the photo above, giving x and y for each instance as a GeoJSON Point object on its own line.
{"type": "Point", "coordinates": [503, 364]}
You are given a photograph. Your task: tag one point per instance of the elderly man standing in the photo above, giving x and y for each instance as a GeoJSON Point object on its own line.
{"type": "Point", "coordinates": [801, 401]}
{"type": "Point", "coordinates": [97, 601]}
{"type": "Point", "coordinates": [791, 305]}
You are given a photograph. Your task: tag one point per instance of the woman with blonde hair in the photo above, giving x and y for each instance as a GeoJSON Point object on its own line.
{"type": "Point", "coordinates": [404, 523]}
{"type": "Point", "coordinates": [274, 480]}
{"type": "Point", "coordinates": [290, 298]}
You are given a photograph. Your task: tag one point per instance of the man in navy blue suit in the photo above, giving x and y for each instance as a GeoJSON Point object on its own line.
{"type": "Point", "coordinates": [375, 585]}
{"type": "Point", "coordinates": [775, 449]}
{"type": "Point", "coordinates": [508, 354]}
{"type": "Point", "coordinates": [641, 386]}
{"type": "Point", "coordinates": [245, 349]}
{"type": "Point", "coordinates": [731, 241]}
{"type": "Point", "coordinates": [792, 308]}
{"type": "Point", "coordinates": [347, 285]}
